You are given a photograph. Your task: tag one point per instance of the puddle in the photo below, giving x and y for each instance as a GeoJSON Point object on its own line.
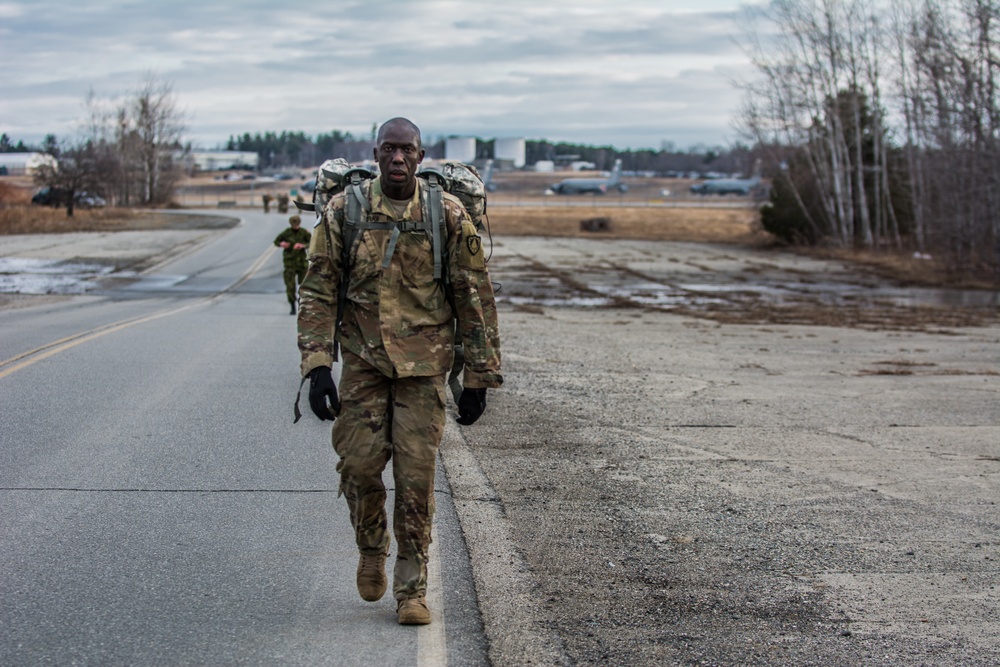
{"type": "Point", "coordinates": [20, 275]}
{"type": "Point", "coordinates": [784, 298]}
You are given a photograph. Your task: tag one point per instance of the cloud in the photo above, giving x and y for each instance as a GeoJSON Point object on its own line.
{"type": "Point", "coordinates": [589, 71]}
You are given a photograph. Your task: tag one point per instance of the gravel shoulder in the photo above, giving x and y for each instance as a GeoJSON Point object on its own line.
{"type": "Point", "coordinates": [673, 489]}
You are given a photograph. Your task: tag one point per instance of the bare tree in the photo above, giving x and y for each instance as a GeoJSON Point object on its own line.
{"type": "Point", "coordinates": [142, 131]}
{"type": "Point", "coordinates": [818, 80]}
{"type": "Point", "coordinates": [158, 128]}
{"type": "Point", "coordinates": [948, 69]}
{"type": "Point", "coordinates": [830, 75]}
{"type": "Point", "coordinates": [76, 168]}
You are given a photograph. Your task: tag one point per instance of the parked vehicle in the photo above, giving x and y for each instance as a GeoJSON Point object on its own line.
{"type": "Point", "coordinates": [58, 197]}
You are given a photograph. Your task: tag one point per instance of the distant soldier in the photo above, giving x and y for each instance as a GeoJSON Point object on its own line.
{"type": "Point", "coordinates": [283, 202]}
{"type": "Point", "coordinates": [295, 242]}
{"type": "Point", "coordinates": [267, 201]}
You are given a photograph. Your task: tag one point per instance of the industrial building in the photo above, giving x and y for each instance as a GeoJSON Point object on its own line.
{"type": "Point", "coordinates": [220, 160]}
{"type": "Point", "coordinates": [24, 164]}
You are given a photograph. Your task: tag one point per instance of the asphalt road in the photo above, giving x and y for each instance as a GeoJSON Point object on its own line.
{"type": "Point", "coordinates": [701, 455]}
{"type": "Point", "coordinates": [158, 506]}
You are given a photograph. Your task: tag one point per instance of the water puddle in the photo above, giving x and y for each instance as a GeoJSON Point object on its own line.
{"type": "Point", "coordinates": [790, 297]}
{"type": "Point", "coordinates": [19, 275]}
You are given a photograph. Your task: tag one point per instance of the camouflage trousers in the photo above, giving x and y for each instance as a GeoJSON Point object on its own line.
{"type": "Point", "coordinates": [294, 275]}
{"type": "Point", "coordinates": [384, 418]}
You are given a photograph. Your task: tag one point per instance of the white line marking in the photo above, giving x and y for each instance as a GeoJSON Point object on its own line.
{"type": "Point", "coordinates": [431, 650]}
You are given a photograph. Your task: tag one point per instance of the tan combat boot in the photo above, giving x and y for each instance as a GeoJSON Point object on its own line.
{"type": "Point", "coordinates": [413, 611]}
{"type": "Point", "coordinates": [371, 577]}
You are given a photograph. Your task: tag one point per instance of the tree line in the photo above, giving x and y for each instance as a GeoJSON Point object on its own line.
{"type": "Point", "coordinates": [882, 121]}
{"type": "Point", "coordinates": [278, 150]}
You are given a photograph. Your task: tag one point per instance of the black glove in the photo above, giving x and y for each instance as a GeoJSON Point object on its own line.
{"type": "Point", "coordinates": [471, 405]}
{"type": "Point", "coordinates": [321, 387]}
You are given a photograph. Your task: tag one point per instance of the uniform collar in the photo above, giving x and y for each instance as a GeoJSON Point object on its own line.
{"type": "Point", "coordinates": [380, 203]}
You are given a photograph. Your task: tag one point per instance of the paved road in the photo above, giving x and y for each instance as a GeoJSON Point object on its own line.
{"type": "Point", "coordinates": [667, 477]}
{"type": "Point", "coordinates": [157, 506]}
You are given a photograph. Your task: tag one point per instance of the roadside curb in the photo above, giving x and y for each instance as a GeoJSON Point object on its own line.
{"type": "Point", "coordinates": [504, 585]}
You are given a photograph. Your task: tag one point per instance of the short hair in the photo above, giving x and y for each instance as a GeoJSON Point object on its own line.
{"type": "Point", "coordinates": [398, 120]}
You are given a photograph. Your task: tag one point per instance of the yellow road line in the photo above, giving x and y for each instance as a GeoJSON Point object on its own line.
{"type": "Point", "coordinates": [83, 338]}
{"type": "Point", "coordinates": [63, 344]}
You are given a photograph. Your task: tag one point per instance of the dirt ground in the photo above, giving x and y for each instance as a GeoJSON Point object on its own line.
{"type": "Point", "coordinates": [674, 475]}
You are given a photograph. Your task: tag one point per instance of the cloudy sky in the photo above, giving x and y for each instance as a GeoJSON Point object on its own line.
{"type": "Point", "coordinates": [629, 73]}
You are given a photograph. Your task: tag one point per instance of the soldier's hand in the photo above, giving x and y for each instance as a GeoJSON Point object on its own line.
{"type": "Point", "coordinates": [298, 246]}
{"type": "Point", "coordinates": [322, 388]}
{"type": "Point", "coordinates": [471, 405]}
{"type": "Point", "coordinates": [283, 244]}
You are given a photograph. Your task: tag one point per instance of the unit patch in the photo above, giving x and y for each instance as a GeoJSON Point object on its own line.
{"type": "Point", "coordinates": [475, 245]}
{"type": "Point", "coordinates": [470, 253]}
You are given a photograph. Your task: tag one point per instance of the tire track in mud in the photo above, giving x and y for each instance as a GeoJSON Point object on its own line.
{"type": "Point", "coordinates": [784, 296]}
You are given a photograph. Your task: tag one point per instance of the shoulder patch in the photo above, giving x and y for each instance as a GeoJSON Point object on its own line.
{"type": "Point", "coordinates": [470, 254]}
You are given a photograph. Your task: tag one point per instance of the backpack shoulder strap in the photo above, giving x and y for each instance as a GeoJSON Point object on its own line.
{"type": "Point", "coordinates": [434, 209]}
{"type": "Point", "coordinates": [356, 208]}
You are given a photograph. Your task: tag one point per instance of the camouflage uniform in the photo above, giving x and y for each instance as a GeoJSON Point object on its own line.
{"type": "Point", "coordinates": [397, 338]}
{"type": "Point", "coordinates": [296, 261]}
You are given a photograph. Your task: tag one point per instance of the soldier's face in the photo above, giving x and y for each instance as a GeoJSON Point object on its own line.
{"type": "Point", "coordinates": [398, 155]}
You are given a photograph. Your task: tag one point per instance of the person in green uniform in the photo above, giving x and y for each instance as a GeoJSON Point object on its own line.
{"type": "Point", "coordinates": [295, 242]}
{"type": "Point", "coordinates": [397, 343]}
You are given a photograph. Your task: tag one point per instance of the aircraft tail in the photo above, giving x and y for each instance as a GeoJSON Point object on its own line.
{"type": "Point", "coordinates": [616, 174]}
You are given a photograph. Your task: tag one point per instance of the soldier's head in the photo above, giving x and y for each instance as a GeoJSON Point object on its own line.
{"type": "Point", "coordinates": [295, 221]}
{"type": "Point", "coordinates": [398, 152]}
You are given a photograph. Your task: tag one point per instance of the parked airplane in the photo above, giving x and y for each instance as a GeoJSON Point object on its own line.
{"type": "Point", "coordinates": [730, 186]}
{"type": "Point", "coordinates": [599, 186]}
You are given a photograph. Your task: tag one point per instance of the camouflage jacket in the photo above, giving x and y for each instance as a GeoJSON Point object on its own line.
{"type": "Point", "coordinates": [397, 317]}
{"type": "Point", "coordinates": [293, 236]}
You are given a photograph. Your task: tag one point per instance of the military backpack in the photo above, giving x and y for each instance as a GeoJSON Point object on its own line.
{"type": "Point", "coordinates": [457, 178]}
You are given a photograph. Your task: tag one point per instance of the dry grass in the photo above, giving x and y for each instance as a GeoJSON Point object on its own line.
{"type": "Point", "coordinates": [27, 219]}
{"type": "Point", "coordinates": [903, 267]}
{"type": "Point", "coordinates": [710, 225]}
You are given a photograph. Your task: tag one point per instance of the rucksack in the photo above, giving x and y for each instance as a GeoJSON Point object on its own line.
{"type": "Point", "coordinates": [460, 179]}
{"type": "Point", "coordinates": [457, 178]}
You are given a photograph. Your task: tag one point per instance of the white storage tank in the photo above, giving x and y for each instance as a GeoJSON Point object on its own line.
{"type": "Point", "coordinates": [461, 149]}
{"type": "Point", "coordinates": [510, 149]}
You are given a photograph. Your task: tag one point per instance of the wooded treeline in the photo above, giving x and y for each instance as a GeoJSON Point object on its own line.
{"type": "Point", "coordinates": [883, 120]}
{"type": "Point", "coordinates": [278, 150]}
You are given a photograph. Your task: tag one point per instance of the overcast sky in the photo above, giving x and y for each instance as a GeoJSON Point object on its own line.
{"type": "Point", "coordinates": [632, 74]}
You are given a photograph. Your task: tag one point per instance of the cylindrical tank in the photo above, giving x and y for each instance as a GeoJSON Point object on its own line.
{"type": "Point", "coordinates": [461, 149]}
{"type": "Point", "coordinates": [510, 149]}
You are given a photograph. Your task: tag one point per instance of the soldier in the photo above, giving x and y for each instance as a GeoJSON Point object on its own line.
{"type": "Point", "coordinates": [282, 202]}
{"type": "Point", "coordinates": [396, 335]}
{"type": "Point", "coordinates": [295, 242]}
{"type": "Point", "coordinates": [266, 197]}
